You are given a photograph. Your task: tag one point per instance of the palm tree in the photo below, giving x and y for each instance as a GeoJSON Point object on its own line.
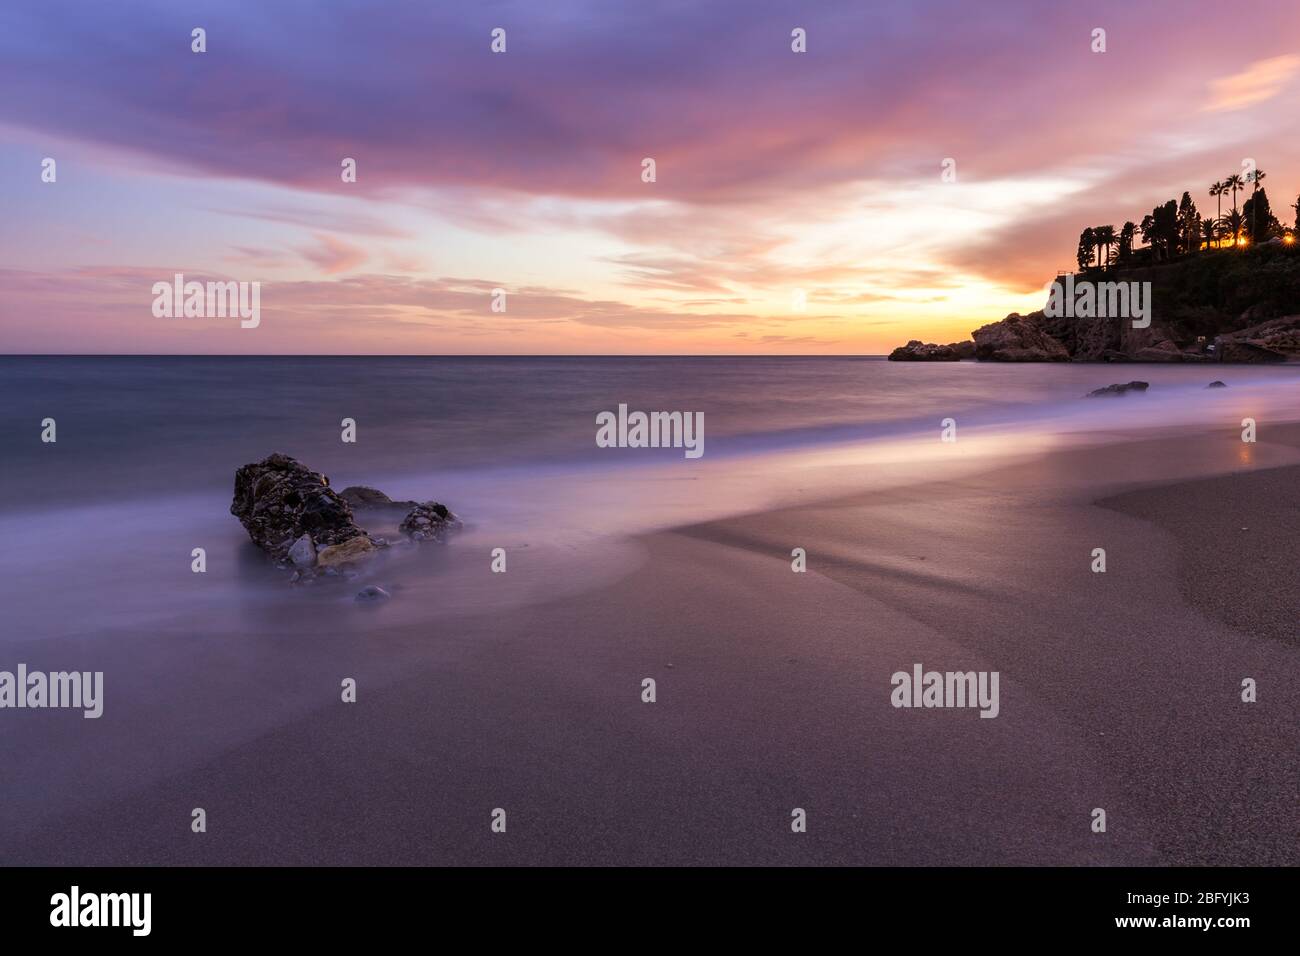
{"type": "Point", "coordinates": [1210, 230]}
{"type": "Point", "coordinates": [1234, 183]}
{"type": "Point", "coordinates": [1231, 225]}
{"type": "Point", "coordinates": [1104, 236]}
{"type": "Point", "coordinates": [1255, 178]}
{"type": "Point", "coordinates": [1216, 192]}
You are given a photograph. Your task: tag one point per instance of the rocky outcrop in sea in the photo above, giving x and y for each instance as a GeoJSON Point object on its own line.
{"type": "Point", "coordinates": [292, 513]}
{"type": "Point", "coordinates": [1122, 388]}
{"type": "Point", "coordinates": [278, 500]}
{"type": "Point", "coordinates": [429, 521]}
{"type": "Point", "coordinates": [918, 351]}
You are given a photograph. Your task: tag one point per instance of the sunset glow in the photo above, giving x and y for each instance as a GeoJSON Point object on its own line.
{"type": "Point", "coordinates": [781, 178]}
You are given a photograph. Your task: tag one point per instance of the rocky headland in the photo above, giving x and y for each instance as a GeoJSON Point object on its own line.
{"type": "Point", "coordinates": [1235, 306]}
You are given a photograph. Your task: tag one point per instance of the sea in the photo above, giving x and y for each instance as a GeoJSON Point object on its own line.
{"type": "Point", "coordinates": [99, 526]}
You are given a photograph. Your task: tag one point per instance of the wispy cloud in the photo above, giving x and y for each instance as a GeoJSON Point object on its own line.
{"type": "Point", "coordinates": [1259, 82]}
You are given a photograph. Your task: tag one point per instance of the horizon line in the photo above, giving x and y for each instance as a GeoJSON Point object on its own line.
{"type": "Point", "coordinates": [275, 355]}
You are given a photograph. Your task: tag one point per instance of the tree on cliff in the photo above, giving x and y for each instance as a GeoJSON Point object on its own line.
{"type": "Point", "coordinates": [1189, 224]}
{"type": "Point", "coordinates": [1104, 236]}
{"type": "Point", "coordinates": [1177, 228]}
{"type": "Point", "coordinates": [1232, 225]}
{"type": "Point", "coordinates": [1161, 231]}
{"type": "Point", "coordinates": [1234, 184]}
{"type": "Point", "coordinates": [1148, 230]}
{"type": "Point", "coordinates": [1126, 241]}
{"type": "Point", "coordinates": [1259, 218]}
{"type": "Point", "coordinates": [1086, 244]}
{"type": "Point", "coordinates": [1210, 230]}
{"type": "Point", "coordinates": [1216, 192]}
{"type": "Point", "coordinates": [1256, 178]}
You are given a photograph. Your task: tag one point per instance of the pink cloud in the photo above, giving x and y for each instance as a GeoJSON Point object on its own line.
{"type": "Point", "coordinates": [334, 256]}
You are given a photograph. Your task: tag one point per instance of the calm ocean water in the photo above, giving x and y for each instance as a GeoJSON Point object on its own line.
{"type": "Point", "coordinates": [99, 526]}
{"type": "Point", "coordinates": [146, 426]}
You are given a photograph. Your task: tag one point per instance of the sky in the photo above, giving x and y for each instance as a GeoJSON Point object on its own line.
{"type": "Point", "coordinates": [799, 202]}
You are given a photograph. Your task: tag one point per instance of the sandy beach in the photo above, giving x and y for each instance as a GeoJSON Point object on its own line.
{"type": "Point", "coordinates": [1118, 691]}
{"type": "Point", "coordinates": [838, 441]}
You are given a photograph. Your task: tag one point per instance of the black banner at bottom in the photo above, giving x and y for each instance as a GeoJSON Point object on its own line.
{"type": "Point", "coordinates": [340, 905]}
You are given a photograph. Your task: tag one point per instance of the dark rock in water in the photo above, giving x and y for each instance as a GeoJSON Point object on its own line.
{"type": "Point", "coordinates": [429, 521]}
{"type": "Point", "coordinates": [372, 593]}
{"type": "Point", "coordinates": [1216, 385]}
{"type": "Point", "coordinates": [361, 498]}
{"type": "Point", "coordinates": [1120, 389]}
{"type": "Point", "coordinates": [918, 351]}
{"type": "Point", "coordinates": [279, 499]}
{"type": "Point", "coordinates": [293, 515]}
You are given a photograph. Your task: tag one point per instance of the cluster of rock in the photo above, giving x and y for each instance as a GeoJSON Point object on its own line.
{"type": "Point", "coordinates": [1272, 341]}
{"type": "Point", "coordinates": [291, 513]}
{"type": "Point", "coordinates": [918, 351]}
{"type": "Point", "coordinates": [1038, 338]}
{"type": "Point", "coordinates": [428, 521]}
{"type": "Point", "coordinates": [1123, 388]}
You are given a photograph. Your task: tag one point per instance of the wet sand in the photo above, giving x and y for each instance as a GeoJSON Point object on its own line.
{"type": "Point", "coordinates": [1118, 690]}
{"type": "Point", "coordinates": [1255, 517]}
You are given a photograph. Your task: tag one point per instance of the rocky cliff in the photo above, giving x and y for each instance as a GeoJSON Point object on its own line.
{"type": "Point", "coordinates": [1228, 305]}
